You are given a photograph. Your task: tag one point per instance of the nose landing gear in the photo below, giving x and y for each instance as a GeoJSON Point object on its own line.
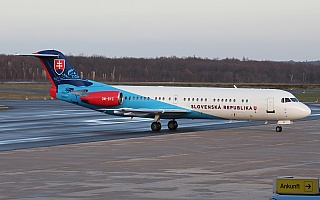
{"type": "Point", "coordinates": [282, 122]}
{"type": "Point", "coordinates": [278, 128]}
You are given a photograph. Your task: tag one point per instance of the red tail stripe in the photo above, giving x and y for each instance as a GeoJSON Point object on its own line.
{"type": "Point", "coordinates": [50, 78]}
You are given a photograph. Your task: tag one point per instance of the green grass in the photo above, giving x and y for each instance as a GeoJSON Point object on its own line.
{"type": "Point", "coordinates": [23, 96]}
{"type": "Point", "coordinates": [308, 96]}
{"type": "Point", "coordinates": [26, 86]}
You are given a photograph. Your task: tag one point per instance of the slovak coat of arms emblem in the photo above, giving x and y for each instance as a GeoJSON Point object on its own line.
{"type": "Point", "coordinates": [59, 66]}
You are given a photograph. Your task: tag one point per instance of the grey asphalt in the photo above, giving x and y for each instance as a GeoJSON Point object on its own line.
{"type": "Point", "coordinates": [54, 150]}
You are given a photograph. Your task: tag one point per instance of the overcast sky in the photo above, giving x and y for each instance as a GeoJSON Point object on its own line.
{"type": "Point", "coordinates": [255, 29]}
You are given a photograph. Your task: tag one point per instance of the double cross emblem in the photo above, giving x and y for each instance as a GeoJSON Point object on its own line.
{"type": "Point", "coordinates": [59, 66]}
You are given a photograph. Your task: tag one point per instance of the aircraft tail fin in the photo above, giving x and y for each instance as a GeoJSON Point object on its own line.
{"type": "Point", "coordinates": [58, 69]}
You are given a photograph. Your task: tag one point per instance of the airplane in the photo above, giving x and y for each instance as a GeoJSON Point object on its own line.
{"type": "Point", "coordinates": [159, 102]}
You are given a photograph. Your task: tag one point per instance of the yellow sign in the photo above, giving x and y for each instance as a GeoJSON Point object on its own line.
{"type": "Point", "coordinates": [292, 185]}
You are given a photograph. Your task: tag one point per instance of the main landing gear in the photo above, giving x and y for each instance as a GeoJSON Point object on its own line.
{"type": "Point", "coordinates": [278, 128]}
{"type": "Point", "coordinates": [156, 125]}
{"type": "Point", "coordinates": [172, 125]}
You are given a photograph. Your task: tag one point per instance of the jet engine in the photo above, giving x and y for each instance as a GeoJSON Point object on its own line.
{"type": "Point", "coordinates": [103, 98]}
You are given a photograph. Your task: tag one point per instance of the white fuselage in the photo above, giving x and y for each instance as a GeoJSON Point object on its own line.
{"type": "Point", "coordinates": [228, 103]}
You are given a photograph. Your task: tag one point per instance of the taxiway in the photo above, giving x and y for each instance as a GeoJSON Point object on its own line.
{"type": "Point", "coordinates": [55, 150]}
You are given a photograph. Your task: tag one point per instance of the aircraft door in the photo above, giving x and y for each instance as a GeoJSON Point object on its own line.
{"type": "Point", "coordinates": [270, 105]}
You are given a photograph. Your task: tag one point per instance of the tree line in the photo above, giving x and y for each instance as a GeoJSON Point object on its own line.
{"type": "Point", "coordinates": [167, 69]}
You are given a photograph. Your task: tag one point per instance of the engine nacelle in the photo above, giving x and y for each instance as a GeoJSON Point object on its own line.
{"type": "Point", "coordinates": [103, 98]}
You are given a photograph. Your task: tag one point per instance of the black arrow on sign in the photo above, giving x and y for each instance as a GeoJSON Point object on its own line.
{"type": "Point", "coordinates": [308, 186]}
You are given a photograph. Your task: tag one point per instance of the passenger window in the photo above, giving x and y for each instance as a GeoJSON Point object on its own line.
{"type": "Point", "coordinates": [221, 100]}
{"type": "Point", "coordinates": [214, 100]}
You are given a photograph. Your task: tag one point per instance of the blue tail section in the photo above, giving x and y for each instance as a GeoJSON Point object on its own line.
{"type": "Point", "coordinates": [66, 83]}
{"type": "Point", "coordinates": [59, 69]}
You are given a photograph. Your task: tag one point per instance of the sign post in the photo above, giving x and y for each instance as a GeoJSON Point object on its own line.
{"type": "Point", "coordinates": [296, 185]}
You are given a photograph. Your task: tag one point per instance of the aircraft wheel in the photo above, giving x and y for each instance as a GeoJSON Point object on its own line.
{"type": "Point", "coordinates": [278, 128]}
{"type": "Point", "coordinates": [156, 126]}
{"type": "Point", "coordinates": [173, 125]}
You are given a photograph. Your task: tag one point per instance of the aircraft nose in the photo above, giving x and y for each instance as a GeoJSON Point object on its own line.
{"type": "Point", "coordinates": [305, 111]}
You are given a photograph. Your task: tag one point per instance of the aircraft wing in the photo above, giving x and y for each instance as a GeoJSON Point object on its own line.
{"type": "Point", "coordinates": [131, 112]}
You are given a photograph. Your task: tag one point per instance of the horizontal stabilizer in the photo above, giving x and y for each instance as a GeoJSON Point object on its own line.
{"type": "Point", "coordinates": [39, 55]}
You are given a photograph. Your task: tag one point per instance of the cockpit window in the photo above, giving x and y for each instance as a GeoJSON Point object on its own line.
{"type": "Point", "coordinates": [286, 100]}
{"type": "Point", "coordinates": [294, 100]}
